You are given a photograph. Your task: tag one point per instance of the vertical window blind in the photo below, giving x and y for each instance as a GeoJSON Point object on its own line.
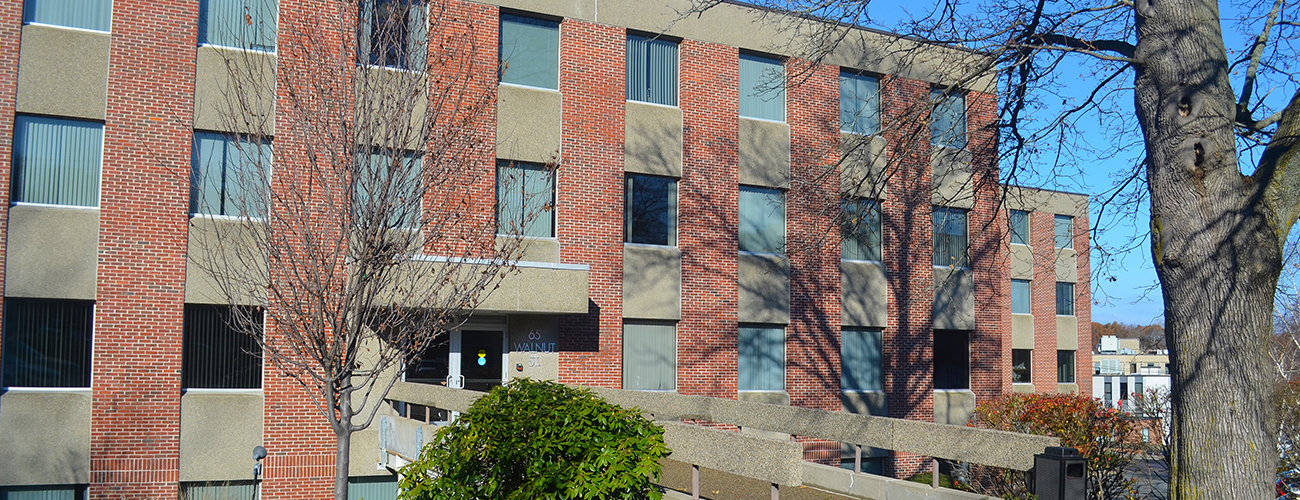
{"type": "Point", "coordinates": [85, 14]}
{"type": "Point", "coordinates": [762, 220]}
{"type": "Point", "coordinates": [951, 359]}
{"type": "Point", "coordinates": [860, 229]}
{"type": "Point", "coordinates": [650, 213]}
{"type": "Point", "coordinates": [247, 24]}
{"type": "Point", "coordinates": [950, 240]}
{"type": "Point", "coordinates": [394, 33]}
{"type": "Point", "coordinates": [761, 358]}
{"type": "Point", "coordinates": [649, 357]}
{"type": "Point", "coordinates": [525, 200]}
{"type": "Point", "coordinates": [651, 70]}
{"type": "Point", "coordinates": [762, 88]}
{"type": "Point", "coordinates": [1065, 367]}
{"type": "Point", "coordinates": [47, 342]}
{"type": "Point", "coordinates": [1018, 220]}
{"type": "Point", "coordinates": [1020, 294]}
{"type": "Point", "coordinates": [530, 51]}
{"type": "Point", "coordinates": [1064, 231]}
{"type": "Point", "coordinates": [43, 493]}
{"type": "Point", "coordinates": [228, 176]}
{"type": "Point", "coordinates": [862, 360]}
{"type": "Point", "coordinates": [57, 161]}
{"type": "Point", "coordinates": [948, 120]}
{"type": "Point", "coordinates": [389, 190]}
{"type": "Point", "coordinates": [859, 104]}
{"type": "Point", "coordinates": [217, 355]}
{"type": "Point", "coordinates": [1064, 299]}
{"type": "Point", "coordinates": [217, 490]}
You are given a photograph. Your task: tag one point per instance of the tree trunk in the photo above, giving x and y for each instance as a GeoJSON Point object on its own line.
{"type": "Point", "coordinates": [341, 464]}
{"type": "Point", "coordinates": [1217, 250]}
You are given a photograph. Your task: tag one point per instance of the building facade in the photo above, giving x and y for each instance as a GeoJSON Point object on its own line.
{"type": "Point", "coordinates": [690, 239]}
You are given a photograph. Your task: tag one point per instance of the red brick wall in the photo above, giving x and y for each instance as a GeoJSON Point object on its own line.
{"type": "Point", "coordinates": [1083, 306]}
{"type": "Point", "coordinates": [990, 343]}
{"type": "Point", "coordinates": [135, 432]}
{"type": "Point", "coordinates": [1042, 302]}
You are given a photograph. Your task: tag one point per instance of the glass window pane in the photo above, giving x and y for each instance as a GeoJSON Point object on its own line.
{"type": "Point", "coordinates": [1065, 299]}
{"type": "Point", "coordinates": [951, 359]}
{"type": "Point", "coordinates": [1018, 220]}
{"type": "Point", "coordinates": [949, 237]}
{"type": "Point", "coordinates": [761, 358]}
{"type": "Point", "coordinates": [651, 70]}
{"type": "Point", "coordinates": [1021, 366]}
{"type": "Point", "coordinates": [948, 120]}
{"type": "Point", "coordinates": [229, 176]}
{"type": "Point", "coordinates": [42, 492]}
{"type": "Point", "coordinates": [525, 200]}
{"type": "Point", "coordinates": [530, 51]}
{"type": "Point", "coordinates": [372, 488]}
{"type": "Point", "coordinates": [393, 33]}
{"type": "Point", "coordinates": [860, 229]}
{"type": "Point", "coordinates": [762, 88]}
{"type": "Point", "coordinates": [1064, 231]}
{"type": "Point", "coordinates": [862, 366]}
{"type": "Point", "coordinates": [57, 161]}
{"type": "Point", "coordinates": [651, 210]}
{"type": "Point", "coordinates": [1020, 297]}
{"type": "Point", "coordinates": [859, 104]}
{"type": "Point", "coordinates": [649, 357]}
{"type": "Point", "coordinates": [389, 188]}
{"type": "Point", "coordinates": [47, 342]}
{"type": "Point", "coordinates": [84, 14]}
{"type": "Point", "coordinates": [762, 220]}
{"type": "Point", "coordinates": [217, 353]}
{"type": "Point", "coordinates": [238, 23]}
{"type": "Point", "coordinates": [217, 490]}
{"type": "Point", "coordinates": [1065, 367]}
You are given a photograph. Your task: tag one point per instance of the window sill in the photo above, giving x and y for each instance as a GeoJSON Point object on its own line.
{"type": "Point", "coordinates": [958, 268]}
{"type": "Point", "coordinates": [73, 28]}
{"type": "Point", "coordinates": [1020, 244]}
{"type": "Point", "coordinates": [228, 218]}
{"type": "Point", "coordinates": [873, 134]}
{"type": "Point", "coordinates": [529, 87]}
{"type": "Point", "coordinates": [863, 261]}
{"type": "Point", "coordinates": [951, 391]}
{"type": "Point", "coordinates": [197, 391]}
{"type": "Point", "coordinates": [236, 49]}
{"type": "Point", "coordinates": [648, 245]}
{"type": "Point", "coordinates": [762, 254]}
{"type": "Point", "coordinates": [394, 69]}
{"type": "Point", "coordinates": [862, 391]}
{"type": "Point", "coordinates": [50, 205]}
{"type": "Point", "coordinates": [50, 390]}
{"type": "Point", "coordinates": [767, 120]}
{"type": "Point", "coordinates": [655, 104]}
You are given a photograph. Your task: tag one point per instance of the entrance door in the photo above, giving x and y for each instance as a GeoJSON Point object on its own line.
{"type": "Point", "coordinates": [482, 358]}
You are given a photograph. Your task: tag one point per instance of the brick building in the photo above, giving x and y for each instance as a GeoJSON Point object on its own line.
{"type": "Point", "coordinates": [687, 244]}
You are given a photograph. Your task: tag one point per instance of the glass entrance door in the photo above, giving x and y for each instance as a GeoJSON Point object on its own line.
{"type": "Point", "coordinates": [482, 359]}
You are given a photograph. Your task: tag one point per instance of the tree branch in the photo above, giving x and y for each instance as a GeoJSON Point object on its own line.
{"type": "Point", "coordinates": [1280, 168]}
{"type": "Point", "coordinates": [1058, 42]}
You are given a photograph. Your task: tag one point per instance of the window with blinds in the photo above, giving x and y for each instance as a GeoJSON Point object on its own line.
{"type": "Point", "coordinates": [244, 24]}
{"type": "Point", "coordinates": [389, 190]}
{"type": "Point", "coordinates": [57, 161]}
{"type": "Point", "coordinates": [950, 241]}
{"type": "Point", "coordinates": [1018, 220]}
{"type": "Point", "coordinates": [47, 342]}
{"type": "Point", "coordinates": [1064, 299]}
{"type": "Point", "coordinates": [951, 359]}
{"type": "Point", "coordinates": [760, 362]}
{"type": "Point", "coordinates": [860, 229]}
{"type": "Point", "coordinates": [651, 70]}
{"type": "Point", "coordinates": [229, 176]}
{"type": "Point", "coordinates": [859, 103]}
{"type": "Point", "coordinates": [762, 220]}
{"type": "Point", "coordinates": [530, 51]}
{"type": "Point", "coordinates": [85, 14]}
{"type": "Point", "coordinates": [762, 88]}
{"type": "Point", "coordinates": [215, 353]}
{"type": "Point", "coordinates": [1021, 367]}
{"type": "Point", "coordinates": [372, 488]}
{"type": "Point", "coordinates": [1020, 295]}
{"type": "Point", "coordinates": [393, 33]}
{"type": "Point", "coordinates": [1065, 367]}
{"type": "Point", "coordinates": [42, 492]}
{"type": "Point", "coordinates": [862, 363]}
{"type": "Point", "coordinates": [650, 211]}
{"type": "Point", "coordinates": [649, 356]}
{"type": "Point", "coordinates": [948, 120]}
{"type": "Point", "coordinates": [218, 490]}
{"type": "Point", "coordinates": [525, 199]}
{"type": "Point", "coordinates": [1064, 225]}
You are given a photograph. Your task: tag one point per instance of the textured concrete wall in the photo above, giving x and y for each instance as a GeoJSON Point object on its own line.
{"type": "Point", "coordinates": [764, 153]}
{"type": "Point", "coordinates": [865, 402]}
{"type": "Point", "coordinates": [764, 289]}
{"type": "Point", "coordinates": [864, 166]}
{"type": "Point", "coordinates": [1020, 262]}
{"type": "Point", "coordinates": [952, 177]}
{"type": "Point", "coordinates": [1022, 331]}
{"type": "Point", "coordinates": [223, 251]}
{"type": "Point", "coordinates": [865, 291]}
{"type": "Point", "coordinates": [63, 72]}
{"type": "Point", "coordinates": [953, 407]}
{"type": "Point", "coordinates": [653, 142]}
{"type": "Point", "coordinates": [1067, 334]}
{"type": "Point", "coordinates": [652, 282]}
{"type": "Point", "coordinates": [44, 438]}
{"type": "Point", "coordinates": [954, 298]}
{"type": "Point", "coordinates": [218, 103]}
{"type": "Point", "coordinates": [218, 433]}
{"type": "Point", "coordinates": [1067, 265]}
{"type": "Point", "coordinates": [52, 252]}
{"type": "Point", "coordinates": [533, 343]}
{"type": "Point", "coordinates": [535, 249]}
{"type": "Point", "coordinates": [528, 124]}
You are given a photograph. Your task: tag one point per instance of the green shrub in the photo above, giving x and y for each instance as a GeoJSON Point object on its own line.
{"type": "Point", "coordinates": [533, 439]}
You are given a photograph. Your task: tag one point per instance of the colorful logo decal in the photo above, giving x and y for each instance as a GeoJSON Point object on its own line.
{"type": "Point", "coordinates": [482, 357]}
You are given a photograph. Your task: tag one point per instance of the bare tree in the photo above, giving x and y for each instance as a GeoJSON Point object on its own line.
{"type": "Point", "coordinates": [1216, 143]}
{"type": "Point", "coordinates": [368, 230]}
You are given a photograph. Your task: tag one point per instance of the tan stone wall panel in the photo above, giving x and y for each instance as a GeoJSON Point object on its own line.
{"type": "Point", "coordinates": [52, 252]}
{"type": "Point", "coordinates": [63, 72]}
{"type": "Point", "coordinates": [653, 143]}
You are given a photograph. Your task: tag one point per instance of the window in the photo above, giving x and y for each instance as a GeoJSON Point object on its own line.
{"type": "Point", "coordinates": [43, 492]}
{"type": "Point", "coordinates": [247, 24]}
{"type": "Point", "coordinates": [530, 51]}
{"type": "Point", "coordinates": [1018, 220]}
{"type": "Point", "coordinates": [1065, 367]}
{"type": "Point", "coordinates": [651, 70]}
{"type": "Point", "coordinates": [57, 161]}
{"type": "Point", "coordinates": [1020, 297]}
{"type": "Point", "coordinates": [1123, 390]}
{"type": "Point", "coordinates": [1146, 435]}
{"type": "Point", "coordinates": [860, 230]}
{"type": "Point", "coordinates": [228, 176]}
{"type": "Point", "coordinates": [649, 357]}
{"type": "Point", "coordinates": [948, 120]}
{"type": "Point", "coordinates": [1064, 231]}
{"type": "Point", "coordinates": [216, 352]}
{"type": "Point", "coordinates": [217, 490]}
{"type": "Point", "coordinates": [859, 104]}
{"type": "Point", "coordinates": [760, 362]}
{"type": "Point", "coordinates": [1110, 367]}
{"type": "Point", "coordinates": [951, 359]}
{"type": "Point", "coordinates": [949, 237]}
{"type": "Point", "coordinates": [47, 342]}
{"type": "Point", "coordinates": [389, 190]}
{"type": "Point", "coordinates": [650, 211]}
{"type": "Point", "coordinates": [1064, 299]}
{"type": "Point", "coordinates": [525, 200]}
{"type": "Point", "coordinates": [371, 488]}
{"type": "Point", "coordinates": [862, 361]}
{"type": "Point", "coordinates": [762, 88]}
{"type": "Point", "coordinates": [1021, 366]}
{"type": "Point", "coordinates": [1108, 391]}
{"type": "Point", "coordinates": [762, 220]}
{"type": "Point", "coordinates": [393, 33]}
{"type": "Point", "coordinates": [84, 14]}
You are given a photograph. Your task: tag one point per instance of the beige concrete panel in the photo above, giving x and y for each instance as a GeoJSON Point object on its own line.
{"type": "Point", "coordinates": [364, 457]}
{"type": "Point", "coordinates": [652, 282]}
{"type": "Point", "coordinates": [1022, 331]}
{"type": "Point", "coordinates": [45, 438]}
{"type": "Point", "coordinates": [1067, 388]}
{"type": "Point", "coordinates": [52, 252]}
{"type": "Point", "coordinates": [1067, 333]}
{"type": "Point", "coordinates": [1021, 262]}
{"type": "Point", "coordinates": [953, 407]}
{"type": "Point", "coordinates": [1045, 200]}
{"type": "Point", "coordinates": [764, 288]}
{"type": "Point", "coordinates": [1023, 388]}
{"type": "Point", "coordinates": [218, 433]}
{"type": "Point", "coordinates": [568, 9]}
{"type": "Point", "coordinates": [533, 249]}
{"type": "Point", "coordinates": [63, 72]}
{"type": "Point", "coordinates": [865, 402]}
{"type": "Point", "coordinates": [764, 153]}
{"type": "Point", "coordinates": [863, 169]}
{"type": "Point", "coordinates": [234, 90]}
{"type": "Point", "coordinates": [774, 461]}
{"type": "Point", "coordinates": [653, 140]}
{"type": "Point", "coordinates": [954, 298]}
{"type": "Point", "coordinates": [528, 124]}
{"type": "Point", "coordinates": [533, 341]}
{"type": "Point", "coordinates": [224, 251]}
{"type": "Point", "coordinates": [1067, 265]}
{"type": "Point", "coordinates": [951, 178]}
{"type": "Point", "coordinates": [780, 398]}
{"type": "Point", "coordinates": [864, 297]}
{"type": "Point", "coordinates": [846, 482]}
{"type": "Point", "coordinates": [391, 107]}
{"type": "Point", "coordinates": [540, 290]}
